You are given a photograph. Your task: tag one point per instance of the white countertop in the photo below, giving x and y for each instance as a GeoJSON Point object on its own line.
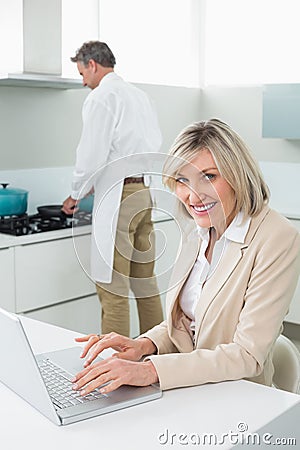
{"type": "Point", "coordinates": [213, 408]}
{"type": "Point", "coordinates": [7, 240]}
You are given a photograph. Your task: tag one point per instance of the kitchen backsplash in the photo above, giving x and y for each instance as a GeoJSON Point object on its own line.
{"type": "Point", "coordinates": [46, 186]}
{"type": "Point", "coordinates": [52, 185]}
{"type": "Point", "coordinates": [283, 180]}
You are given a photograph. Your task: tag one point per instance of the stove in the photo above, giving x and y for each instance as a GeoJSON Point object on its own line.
{"type": "Point", "coordinates": [36, 223]}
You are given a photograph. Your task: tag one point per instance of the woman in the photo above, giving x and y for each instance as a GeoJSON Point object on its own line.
{"type": "Point", "coordinates": [231, 286]}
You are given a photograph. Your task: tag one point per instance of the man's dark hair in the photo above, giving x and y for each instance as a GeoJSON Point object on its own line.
{"type": "Point", "coordinates": [96, 50]}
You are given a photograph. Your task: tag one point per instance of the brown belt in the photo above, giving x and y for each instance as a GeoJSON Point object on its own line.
{"type": "Point", "coordinates": [134, 180]}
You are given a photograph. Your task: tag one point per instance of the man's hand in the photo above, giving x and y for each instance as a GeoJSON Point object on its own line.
{"type": "Point", "coordinates": [69, 206]}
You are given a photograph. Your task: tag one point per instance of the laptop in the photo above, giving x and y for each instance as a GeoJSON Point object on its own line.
{"type": "Point", "coordinates": [44, 380]}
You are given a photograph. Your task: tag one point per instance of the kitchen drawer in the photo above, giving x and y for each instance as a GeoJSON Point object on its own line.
{"type": "Point", "coordinates": [7, 279]}
{"type": "Point", "coordinates": [82, 315]}
{"type": "Point", "coordinates": [51, 272]}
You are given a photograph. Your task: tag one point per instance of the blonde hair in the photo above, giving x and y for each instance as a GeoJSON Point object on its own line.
{"type": "Point", "coordinates": [232, 157]}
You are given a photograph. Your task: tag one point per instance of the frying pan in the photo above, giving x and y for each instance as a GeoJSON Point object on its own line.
{"type": "Point", "coordinates": [49, 211]}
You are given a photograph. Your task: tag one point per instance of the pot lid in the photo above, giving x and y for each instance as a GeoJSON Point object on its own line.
{"type": "Point", "coordinates": [4, 190]}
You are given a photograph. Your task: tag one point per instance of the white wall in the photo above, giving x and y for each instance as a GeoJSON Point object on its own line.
{"type": "Point", "coordinates": [241, 107]}
{"type": "Point", "coordinates": [279, 159]}
{"type": "Point", "coordinates": [40, 128]}
{"type": "Point", "coordinates": [176, 108]}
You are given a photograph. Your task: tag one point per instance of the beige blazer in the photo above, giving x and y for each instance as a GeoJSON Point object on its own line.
{"type": "Point", "coordinates": [240, 311]}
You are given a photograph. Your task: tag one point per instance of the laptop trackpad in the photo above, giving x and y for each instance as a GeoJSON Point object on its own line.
{"type": "Point", "coordinates": [68, 359]}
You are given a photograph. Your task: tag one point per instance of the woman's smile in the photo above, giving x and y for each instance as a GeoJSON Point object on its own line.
{"type": "Point", "coordinates": [202, 209]}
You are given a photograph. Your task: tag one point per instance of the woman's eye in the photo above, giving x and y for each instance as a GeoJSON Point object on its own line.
{"type": "Point", "coordinates": [209, 176]}
{"type": "Point", "coordinates": [181, 180]}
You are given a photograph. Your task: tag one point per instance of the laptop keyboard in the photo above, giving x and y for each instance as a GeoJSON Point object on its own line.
{"type": "Point", "coordinates": [59, 386]}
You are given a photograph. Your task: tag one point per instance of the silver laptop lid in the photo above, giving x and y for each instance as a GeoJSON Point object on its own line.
{"type": "Point", "coordinates": [19, 370]}
{"type": "Point", "coordinates": [22, 375]}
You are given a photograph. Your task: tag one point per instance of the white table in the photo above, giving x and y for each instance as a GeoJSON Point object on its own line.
{"type": "Point", "coordinates": [175, 421]}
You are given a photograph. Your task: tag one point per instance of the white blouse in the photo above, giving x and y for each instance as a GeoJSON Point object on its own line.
{"type": "Point", "coordinates": [203, 270]}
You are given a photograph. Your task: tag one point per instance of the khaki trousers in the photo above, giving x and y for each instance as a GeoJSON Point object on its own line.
{"type": "Point", "coordinates": [133, 268]}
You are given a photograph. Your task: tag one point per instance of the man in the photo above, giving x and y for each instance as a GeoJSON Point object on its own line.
{"type": "Point", "coordinates": [120, 131]}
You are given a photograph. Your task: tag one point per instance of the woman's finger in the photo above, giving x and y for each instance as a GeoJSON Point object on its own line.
{"type": "Point", "coordinates": [100, 383]}
{"type": "Point", "coordinates": [111, 386]}
{"type": "Point", "coordinates": [94, 378]}
{"type": "Point", "coordinates": [93, 339]}
{"type": "Point", "coordinates": [104, 342]}
{"type": "Point", "coordinates": [81, 374]}
{"type": "Point", "coordinates": [83, 338]}
{"type": "Point", "coordinates": [89, 374]}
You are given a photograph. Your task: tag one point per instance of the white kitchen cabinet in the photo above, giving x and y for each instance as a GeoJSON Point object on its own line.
{"type": "Point", "coordinates": [7, 279]}
{"type": "Point", "coordinates": [82, 315]}
{"type": "Point", "coordinates": [52, 284]}
{"type": "Point", "coordinates": [51, 272]}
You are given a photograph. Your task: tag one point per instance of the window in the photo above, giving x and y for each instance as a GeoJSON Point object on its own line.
{"type": "Point", "coordinates": [252, 42]}
{"type": "Point", "coordinates": [79, 24]}
{"type": "Point", "coordinates": [11, 29]}
{"type": "Point", "coordinates": [154, 41]}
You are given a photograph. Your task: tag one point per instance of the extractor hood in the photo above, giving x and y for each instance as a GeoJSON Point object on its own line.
{"type": "Point", "coordinates": [42, 48]}
{"type": "Point", "coordinates": [26, 79]}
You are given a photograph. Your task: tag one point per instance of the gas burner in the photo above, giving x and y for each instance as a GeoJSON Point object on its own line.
{"type": "Point", "coordinates": [15, 225]}
{"type": "Point", "coordinates": [36, 223]}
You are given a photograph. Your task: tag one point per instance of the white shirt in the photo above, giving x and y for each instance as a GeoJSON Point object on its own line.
{"type": "Point", "coordinates": [120, 129]}
{"type": "Point", "coordinates": [118, 120]}
{"type": "Point", "coordinates": [202, 270]}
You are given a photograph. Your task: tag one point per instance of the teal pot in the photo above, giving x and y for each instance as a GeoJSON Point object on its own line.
{"type": "Point", "coordinates": [86, 203]}
{"type": "Point", "coordinates": [13, 201]}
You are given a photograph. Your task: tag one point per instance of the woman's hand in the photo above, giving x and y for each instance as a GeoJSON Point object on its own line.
{"type": "Point", "coordinates": [115, 372]}
{"type": "Point", "coordinates": [130, 349]}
